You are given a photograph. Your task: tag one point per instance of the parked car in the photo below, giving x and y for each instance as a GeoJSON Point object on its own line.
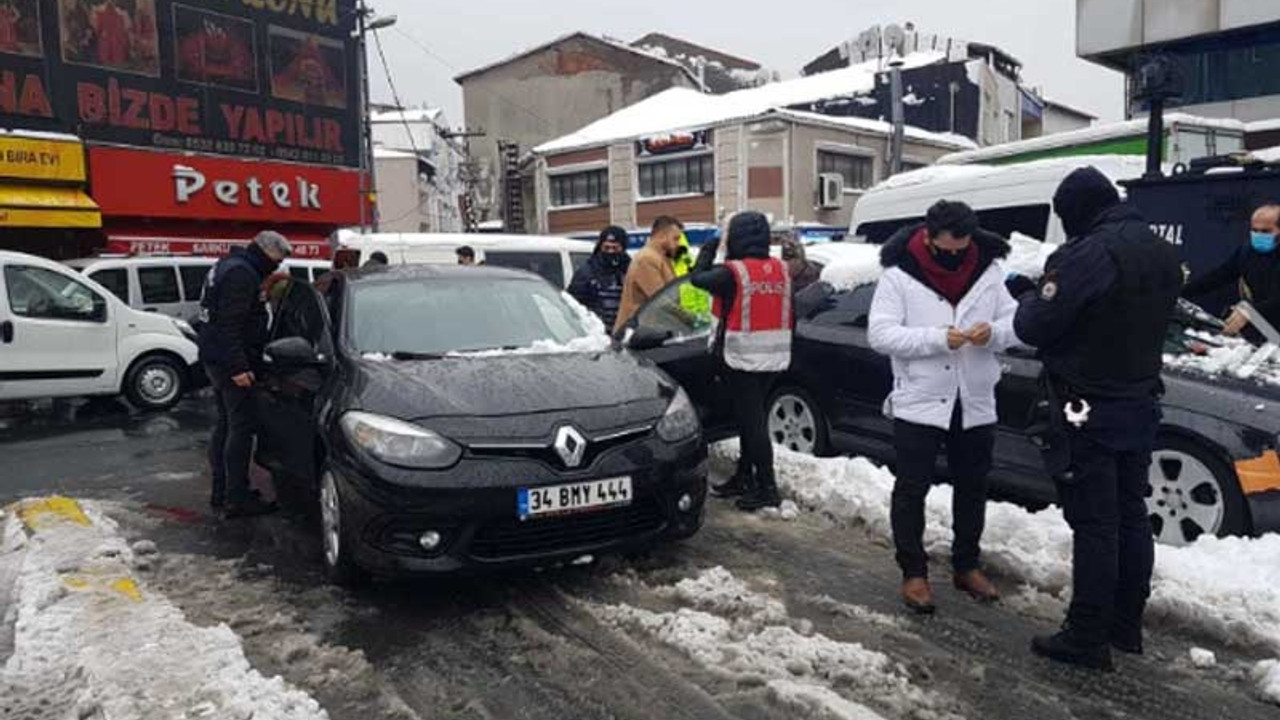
{"type": "Point", "coordinates": [1214, 469]}
{"type": "Point", "coordinates": [554, 258]}
{"type": "Point", "coordinates": [64, 335]}
{"type": "Point", "coordinates": [169, 284]}
{"type": "Point", "coordinates": [396, 403]}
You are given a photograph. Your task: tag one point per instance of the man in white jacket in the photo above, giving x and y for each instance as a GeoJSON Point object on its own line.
{"type": "Point", "coordinates": [941, 312]}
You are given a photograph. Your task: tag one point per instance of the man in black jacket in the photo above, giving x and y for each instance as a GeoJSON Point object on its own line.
{"type": "Point", "coordinates": [1254, 267]}
{"type": "Point", "coordinates": [233, 333]}
{"type": "Point", "coordinates": [1099, 319]}
{"type": "Point", "coordinates": [598, 283]}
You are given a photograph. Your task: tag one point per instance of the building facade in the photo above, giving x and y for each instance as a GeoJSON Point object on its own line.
{"type": "Point", "coordinates": [1227, 51]}
{"type": "Point", "coordinates": [549, 91]}
{"type": "Point", "coordinates": [418, 171]}
{"type": "Point", "coordinates": [776, 162]}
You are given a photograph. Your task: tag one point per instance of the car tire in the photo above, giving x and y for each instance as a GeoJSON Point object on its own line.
{"type": "Point", "coordinates": [336, 542]}
{"type": "Point", "coordinates": [1193, 492]}
{"type": "Point", "coordinates": [795, 421]}
{"type": "Point", "coordinates": [155, 383]}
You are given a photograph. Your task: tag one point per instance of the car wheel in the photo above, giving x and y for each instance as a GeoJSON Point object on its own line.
{"type": "Point", "coordinates": [339, 565]}
{"type": "Point", "coordinates": [1192, 493]}
{"type": "Point", "coordinates": [796, 422]}
{"type": "Point", "coordinates": [154, 383]}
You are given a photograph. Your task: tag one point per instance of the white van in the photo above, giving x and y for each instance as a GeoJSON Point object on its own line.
{"type": "Point", "coordinates": [1007, 198]}
{"type": "Point", "coordinates": [554, 258]}
{"type": "Point", "coordinates": [64, 335]}
{"type": "Point", "coordinates": [169, 284]}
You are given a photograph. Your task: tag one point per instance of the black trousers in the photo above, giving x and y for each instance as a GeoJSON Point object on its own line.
{"type": "Point", "coordinates": [969, 461]}
{"type": "Point", "coordinates": [747, 392]}
{"type": "Point", "coordinates": [231, 447]}
{"type": "Point", "coordinates": [1113, 550]}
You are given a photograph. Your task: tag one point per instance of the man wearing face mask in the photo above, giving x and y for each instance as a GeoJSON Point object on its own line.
{"type": "Point", "coordinates": [1254, 267]}
{"type": "Point", "coordinates": [941, 313]}
{"type": "Point", "coordinates": [1099, 319]}
{"type": "Point", "coordinates": [598, 283]}
{"type": "Point", "coordinates": [233, 333]}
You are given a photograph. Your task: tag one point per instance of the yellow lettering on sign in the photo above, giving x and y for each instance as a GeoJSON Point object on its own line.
{"type": "Point", "coordinates": [52, 160]}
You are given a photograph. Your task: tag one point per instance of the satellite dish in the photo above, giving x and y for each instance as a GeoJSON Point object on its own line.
{"type": "Point", "coordinates": [895, 39]}
{"type": "Point", "coordinates": [869, 43]}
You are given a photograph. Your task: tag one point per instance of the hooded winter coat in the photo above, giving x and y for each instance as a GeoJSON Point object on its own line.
{"type": "Point", "coordinates": [234, 331]}
{"type": "Point", "coordinates": [803, 271]}
{"type": "Point", "coordinates": [748, 238]}
{"type": "Point", "coordinates": [598, 283]}
{"type": "Point", "coordinates": [909, 322]}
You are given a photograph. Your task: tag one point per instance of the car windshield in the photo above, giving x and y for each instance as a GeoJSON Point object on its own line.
{"type": "Point", "coordinates": [428, 317]}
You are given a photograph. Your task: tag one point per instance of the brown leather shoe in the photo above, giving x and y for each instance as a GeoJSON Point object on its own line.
{"type": "Point", "coordinates": [918, 596]}
{"type": "Point", "coordinates": [977, 585]}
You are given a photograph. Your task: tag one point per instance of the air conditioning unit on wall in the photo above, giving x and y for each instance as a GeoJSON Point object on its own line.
{"type": "Point", "coordinates": [830, 191]}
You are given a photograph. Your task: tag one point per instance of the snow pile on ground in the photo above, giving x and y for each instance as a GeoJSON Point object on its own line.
{"type": "Point", "coordinates": [1267, 676]}
{"type": "Point", "coordinates": [1202, 658]}
{"type": "Point", "coordinates": [746, 637]}
{"type": "Point", "coordinates": [89, 641]}
{"type": "Point", "coordinates": [1225, 588]}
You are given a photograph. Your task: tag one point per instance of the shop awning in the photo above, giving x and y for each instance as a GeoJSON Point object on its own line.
{"type": "Point", "coordinates": [216, 243]}
{"type": "Point", "coordinates": [43, 206]}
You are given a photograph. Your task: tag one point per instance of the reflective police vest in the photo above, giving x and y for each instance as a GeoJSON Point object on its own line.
{"type": "Point", "coordinates": [757, 329]}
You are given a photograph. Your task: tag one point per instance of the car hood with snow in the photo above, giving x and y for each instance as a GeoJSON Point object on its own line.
{"type": "Point", "coordinates": [481, 390]}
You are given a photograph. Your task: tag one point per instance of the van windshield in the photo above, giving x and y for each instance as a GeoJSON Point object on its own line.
{"type": "Point", "coordinates": [437, 317]}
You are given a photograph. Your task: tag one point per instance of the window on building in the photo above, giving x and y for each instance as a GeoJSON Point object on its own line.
{"type": "Point", "coordinates": [858, 171]}
{"type": "Point", "coordinates": [681, 176]}
{"type": "Point", "coordinates": [159, 285]}
{"type": "Point", "coordinates": [580, 188]}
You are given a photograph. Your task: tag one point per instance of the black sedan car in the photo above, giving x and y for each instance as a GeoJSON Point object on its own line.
{"type": "Point", "coordinates": [447, 418]}
{"type": "Point", "coordinates": [1215, 469]}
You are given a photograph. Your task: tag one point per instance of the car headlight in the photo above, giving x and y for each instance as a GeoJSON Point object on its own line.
{"type": "Point", "coordinates": [396, 442]}
{"type": "Point", "coordinates": [680, 422]}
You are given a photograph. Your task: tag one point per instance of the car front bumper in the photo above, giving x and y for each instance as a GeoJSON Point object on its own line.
{"type": "Point", "coordinates": [478, 523]}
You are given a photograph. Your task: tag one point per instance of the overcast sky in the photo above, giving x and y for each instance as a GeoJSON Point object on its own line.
{"type": "Point", "coordinates": [435, 40]}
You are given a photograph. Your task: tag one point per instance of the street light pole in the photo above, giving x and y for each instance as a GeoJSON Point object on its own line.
{"type": "Point", "coordinates": [368, 179]}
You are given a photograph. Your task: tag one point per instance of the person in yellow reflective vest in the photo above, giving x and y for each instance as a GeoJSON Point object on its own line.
{"type": "Point", "coordinates": [694, 301]}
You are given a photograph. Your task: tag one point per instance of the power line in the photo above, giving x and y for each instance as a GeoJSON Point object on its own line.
{"type": "Point", "coordinates": [454, 69]}
{"type": "Point", "coordinates": [395, 95]}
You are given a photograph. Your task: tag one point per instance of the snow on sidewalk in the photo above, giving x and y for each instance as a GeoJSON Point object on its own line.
{"type": "Point", "coordinates": [90, 641]}
{"type": "Point", "coordinates": [1225, 588]}
{"type": "Point", "coordinates": [748, 638]}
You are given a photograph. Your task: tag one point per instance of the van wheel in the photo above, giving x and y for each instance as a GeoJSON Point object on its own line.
{"type": "Point", "coordinates": [339, 565]}
{"type": "Point", "coordinates": [1192, 493]}
{"type": "Point", "coordinates": [154, 383]}
{"type": "Point", "coordinates": [796, 422]}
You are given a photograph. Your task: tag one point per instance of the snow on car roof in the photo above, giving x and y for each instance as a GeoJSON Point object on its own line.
{"type": "Point", "coordinates": [1117, 167]}
{"type": "Point", "coordinates": [686, 109]}
{"type": "Point", "coordinates": [847, 266]}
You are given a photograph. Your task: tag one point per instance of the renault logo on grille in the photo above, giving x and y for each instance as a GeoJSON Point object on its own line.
{"type": "Point", "coordinates": [570, 446]}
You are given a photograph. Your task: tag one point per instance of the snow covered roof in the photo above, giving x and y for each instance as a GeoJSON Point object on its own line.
{"type": "Point", "coordinates": [1262, 125]}
{"type": "Point", "coordinates": [1085, 136]}
{"type": "Point", "coordinates": [685, 109]}
{"type": "Point", "coordinates": [1068, 108]}
{"type": "Point", "coordinates": [880, 127]}
{"type": "Point", "coordinates": [577, 35]}
{"type": "Point", "coordinates": [1267, 155]}
{"type": "Point", "coordinates": [411, 129]}
{"type": "Point", "coordinates": [679, 46]}
{"type": "Point", "coordinates": [382, 153]}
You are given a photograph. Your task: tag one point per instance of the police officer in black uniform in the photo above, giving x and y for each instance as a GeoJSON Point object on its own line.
{"type": "Point", "coordinates": [232, 334]}
{"type": "Point", "coordinates": [1099, 318]}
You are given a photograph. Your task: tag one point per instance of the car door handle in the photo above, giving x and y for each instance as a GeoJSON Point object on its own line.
{"type": "Point", "coordinates": [6, 332]}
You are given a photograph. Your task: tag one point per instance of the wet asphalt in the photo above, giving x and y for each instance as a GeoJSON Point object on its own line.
{"type": "Point", "coordinates": [525, 645]}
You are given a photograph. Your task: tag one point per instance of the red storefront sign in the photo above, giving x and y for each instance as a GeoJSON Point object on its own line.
{"type": "Point", "coordinates": [147, 184]}
{"type": "Point", "coordinates": [148, 240]}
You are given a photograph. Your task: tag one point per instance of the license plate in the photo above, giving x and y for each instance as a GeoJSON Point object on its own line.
{"type": "Point", "coordinates": [573, 498]}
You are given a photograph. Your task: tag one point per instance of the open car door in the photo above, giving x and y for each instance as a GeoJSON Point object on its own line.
{"type": "Point", "coordinates": [299, 361]}
{"type": "Point", "coordinates": [674, 330]}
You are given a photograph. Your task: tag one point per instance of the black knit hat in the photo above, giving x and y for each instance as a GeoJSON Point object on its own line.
{"type": "Point", "coordinates": [748, 235]}
{"type": "Point", "coordinates": [616, 234]}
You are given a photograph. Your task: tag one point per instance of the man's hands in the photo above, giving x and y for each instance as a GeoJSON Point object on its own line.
{"type": "Point", "coordinates": [1235, 323]}
{"type": "Point", "coordinates": [244, 379]}
{"type": "Point", "coordinates": [979, 336]}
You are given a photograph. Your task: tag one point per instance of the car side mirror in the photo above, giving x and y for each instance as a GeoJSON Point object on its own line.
{"type": "Point", "coordinates": [647, 338]}
{"type": "Point", "coordinates": [292, 351]}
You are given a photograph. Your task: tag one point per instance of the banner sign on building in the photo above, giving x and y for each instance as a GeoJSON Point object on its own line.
{"type": "Point", "coordinates": [26, 158]}
{"type": "Point", "coordinates": [271, 79]}
{"type": "Point", "coordinates": [167, 185]}
{"type": "Point", "coordinates": [673, 143]}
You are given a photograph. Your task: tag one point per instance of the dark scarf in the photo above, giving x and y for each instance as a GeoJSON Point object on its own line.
{"type": "Point", "coordinates": [950, 284]}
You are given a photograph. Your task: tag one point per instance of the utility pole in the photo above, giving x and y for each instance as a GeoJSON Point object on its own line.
{"type": "Point", "coordinates": [365, 24]}
{"type": "Point", "coordinates": [899, 116]}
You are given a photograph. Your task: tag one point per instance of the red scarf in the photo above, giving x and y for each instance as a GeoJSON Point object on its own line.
{"type": "Point", "coordinates": [950, 284]}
